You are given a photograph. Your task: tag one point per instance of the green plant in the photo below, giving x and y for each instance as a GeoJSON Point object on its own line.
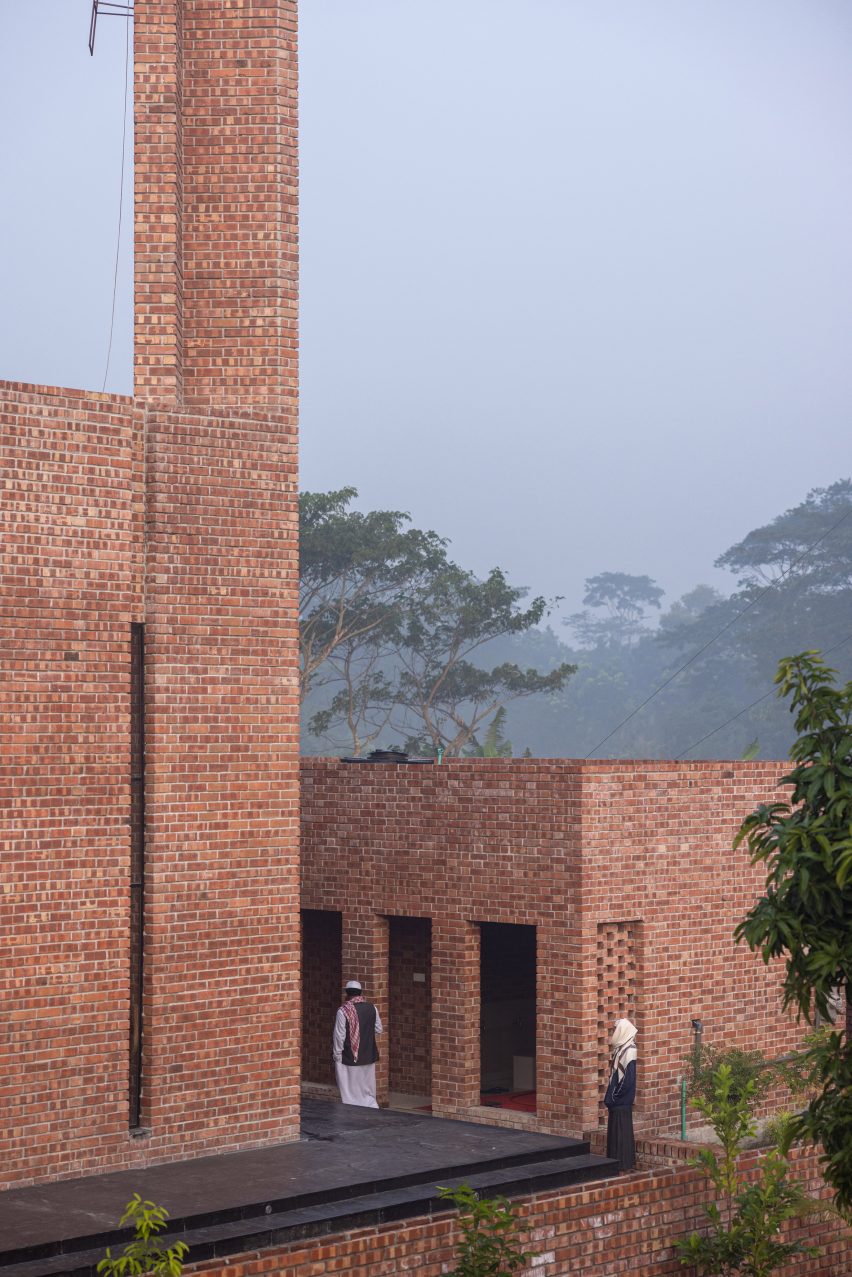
{"type": "Point", "coordinates": [746, 1067]}
{"type": "Point", "coordinates": [800, 1072]}
{"type": "Point", "coordinates": [746, 1217]}
{"type": "Point", "coordinates": [144, 1254]}
{"type": "Point", "coordinates": [488, 1246]}
{"type": "Point", "coordinates": [804, 914]}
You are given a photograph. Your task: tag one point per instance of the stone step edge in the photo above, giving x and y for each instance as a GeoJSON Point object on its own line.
{"type": "Point", "coordinates": [299, 1201]}
{"type": "Point", "coordinates": [343, 1215]}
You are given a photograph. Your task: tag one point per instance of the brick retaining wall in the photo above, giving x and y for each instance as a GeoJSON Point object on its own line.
{"type": "Point", "coordinates": [611, 1229]}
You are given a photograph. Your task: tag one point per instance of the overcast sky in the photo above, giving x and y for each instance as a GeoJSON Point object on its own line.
{"type": "Point", "coordinates": [577, 276]}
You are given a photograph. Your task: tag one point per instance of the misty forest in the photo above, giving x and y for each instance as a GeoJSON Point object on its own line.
{"type": "Point", "coordinates": [401, 647]}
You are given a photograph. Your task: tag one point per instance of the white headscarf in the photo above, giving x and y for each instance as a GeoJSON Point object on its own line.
{"type": "Point", "coordinates": [623, 1043]}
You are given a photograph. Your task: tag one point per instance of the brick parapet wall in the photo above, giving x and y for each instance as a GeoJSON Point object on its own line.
{"type": "Point", "coordinates": [619, 1226]}
{"type": "Point", "coordinates": [633, 857]}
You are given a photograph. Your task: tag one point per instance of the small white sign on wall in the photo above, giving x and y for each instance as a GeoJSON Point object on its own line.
{"type": "Point", "coordinates": [419, 977]}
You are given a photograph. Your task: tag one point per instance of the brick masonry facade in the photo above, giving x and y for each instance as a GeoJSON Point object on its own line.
{"type": "Point", "coordinates": [626, 871]}
{"type": "Point", "coordinates": [607, 1229]}
{"type": "Point", "coordinates": [175, 508]}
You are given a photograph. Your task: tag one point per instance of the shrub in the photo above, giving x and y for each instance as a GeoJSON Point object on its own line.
{"type": "Point", "coordinates": [747, 1069]}
{"type": "Point", "coordinates": [489, 1235]}
{"type": "Point", "coordinates": [745, 1217]}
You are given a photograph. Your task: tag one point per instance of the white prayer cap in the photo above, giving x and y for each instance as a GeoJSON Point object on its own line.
{"type": "Point", "coordinates": [353, 984]}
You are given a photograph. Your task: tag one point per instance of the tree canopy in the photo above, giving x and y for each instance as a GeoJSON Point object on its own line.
{"type": "Point", "coordinates": [366, 575]}
{"type": "Point", "coordinates": [394, 635]}
{"type": "Point", "coordinates": [358, 573]}
{"type": "Point", "coordinates": [805, 914]}
{"type": "Point", "coordinates": [620, 602]}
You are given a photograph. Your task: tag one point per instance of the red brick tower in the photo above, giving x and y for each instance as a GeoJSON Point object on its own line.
{"type": "Point", "coordinates": [175, 510]}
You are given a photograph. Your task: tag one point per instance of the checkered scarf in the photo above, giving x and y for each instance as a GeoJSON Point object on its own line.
{"type": "Point", "coordinates": [353, 1023]}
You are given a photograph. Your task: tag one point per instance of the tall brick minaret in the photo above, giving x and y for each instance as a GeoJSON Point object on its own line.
{"type": "Point", "coordinates": [215, 373]}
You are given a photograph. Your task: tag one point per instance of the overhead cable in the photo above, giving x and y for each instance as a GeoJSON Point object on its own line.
{"type": "Point", "coordinates": [120, 198]}
{"type": "Point", "coordinates": [740, 713]}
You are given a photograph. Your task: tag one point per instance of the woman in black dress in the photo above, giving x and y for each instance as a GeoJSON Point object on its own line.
{"type": "Point", "coordinates": [620, 1095]}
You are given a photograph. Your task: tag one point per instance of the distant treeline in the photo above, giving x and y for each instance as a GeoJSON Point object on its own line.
{"type": "Point", "coordinates": [400, 646]}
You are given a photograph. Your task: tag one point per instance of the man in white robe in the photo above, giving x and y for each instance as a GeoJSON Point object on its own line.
{"type": "Point", "coordinates": [354, 1049]}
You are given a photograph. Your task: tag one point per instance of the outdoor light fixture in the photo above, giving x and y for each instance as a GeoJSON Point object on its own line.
{"type": "Point", "coordinates": [697, 1030]}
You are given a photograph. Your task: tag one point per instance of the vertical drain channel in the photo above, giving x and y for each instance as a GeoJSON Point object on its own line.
{"type": "Point", "coordinates": [137, 865]}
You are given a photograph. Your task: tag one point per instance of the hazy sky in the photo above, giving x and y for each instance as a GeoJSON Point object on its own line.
{"type": "Point", "coordinates": [577, 276]}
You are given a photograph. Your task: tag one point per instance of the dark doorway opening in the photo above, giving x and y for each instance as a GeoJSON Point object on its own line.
{"type": "Point", "coordinates": [507, 1015]}
{"type": "Point", "coordinates": [410, 1011]}
{"type": "Point", "coordinates": [322, 946]}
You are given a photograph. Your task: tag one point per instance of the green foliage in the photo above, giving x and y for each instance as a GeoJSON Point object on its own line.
{"type": "Point", "coordinates": [751, 751]}
{"type": "Point", "coordinates": [805, 914]}
{"type": "Point", "coordinates": [746, 1217]}
{"type": "Point", "coordinates": [360, 576]}
{"type": "Point", "coordinates": [358, 573]}
{"type": "Point", "coordinates": [750, 1072]}
{"type": "Point", "coordinates": [392, 634]}
{"type": "Point", "coordinates": [495, 744]}
{"type": "Point", "coordinates": [489, 1235]}
{"type": "Point", "coordinates": [799, 1071]}
{"type": "Point", "coordinates": [144, 1254]}
{"type": "Point", "coordinates": [442, 690]}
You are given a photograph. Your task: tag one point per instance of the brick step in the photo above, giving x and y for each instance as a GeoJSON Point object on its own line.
{"type": "Point", "coordinates": [217, 1238]}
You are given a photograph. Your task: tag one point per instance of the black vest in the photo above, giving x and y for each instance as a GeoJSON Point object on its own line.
{"type": "Point", "coordinates": [367, 1051]}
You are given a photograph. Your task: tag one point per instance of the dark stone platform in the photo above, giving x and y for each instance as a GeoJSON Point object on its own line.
{"type": "Point", "coordinates": [352, 1167]}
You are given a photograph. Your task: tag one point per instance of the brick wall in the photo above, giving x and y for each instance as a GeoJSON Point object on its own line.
{"type": "Point", "coordinates": [221, 1042]}
{"type": "Point", "coordinates": [177, 509]}
{"type": "Point", "coordinates": [657, 849]}
{"type": "Point", "coordinates": [72, 583]}
{"type": "Point", "coordinates": [216, 174]}
{"type": "Point", "coordinates": [627, 873]}
{"type": "Point", "coordinates": [620, 1226]}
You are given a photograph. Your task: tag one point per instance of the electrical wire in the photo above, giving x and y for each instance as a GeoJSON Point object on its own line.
{"type": "Point", "coordinates": [120, 198]}
{"type": "Point", "coordinates": [724, 629]}
{"type": "Point", "coordinates": [740, 713]}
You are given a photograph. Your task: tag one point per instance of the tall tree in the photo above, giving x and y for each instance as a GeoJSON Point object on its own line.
{"type": "Point", "coordinates": [813, 540]}
{"type": "Point", "coordinates": [393, 634]}
{"type": "Point", "coordinates": [620, 603]}
{"type": "Point", "coordinates": [358, 574]}
{"type": "Point", "coordinates": [805, 915]}
{"type": "Point", "coordinates": [444, 691]}
{"type": "Point", "coordinates": [794, 594]}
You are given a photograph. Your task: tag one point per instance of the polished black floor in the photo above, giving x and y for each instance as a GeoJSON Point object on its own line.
{"type": "Point", "coordinates": [352, 1167]}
